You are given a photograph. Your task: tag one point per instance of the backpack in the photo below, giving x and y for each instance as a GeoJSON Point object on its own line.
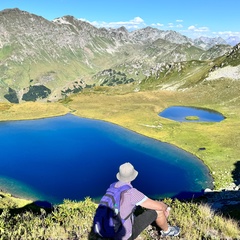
{"type": "Point", "coordinates": [107, 221]}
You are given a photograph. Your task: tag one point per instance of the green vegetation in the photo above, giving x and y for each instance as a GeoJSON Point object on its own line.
{"type": "Point", "coordinates": [73, 220]}
{"type": "Point", "coordinates": [31, 110]}
{"type": "Point", "coordinates": [5, 52]}
{"type": "Point", "coordinates": [139, 111]}
{"type": "Point", "coordinates": [7, 201]}
{"type": "Point", "coordinates": [178, 75]}
{"type": "Point", "coordinates": [192, 118]}
{"type": "Point", "coordinates": [134, 106]}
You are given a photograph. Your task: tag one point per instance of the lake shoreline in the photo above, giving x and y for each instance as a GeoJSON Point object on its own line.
{"type": "Point", "coordinates": [207, 172]}
{"type": "Point", "coordinates": [137, 111]}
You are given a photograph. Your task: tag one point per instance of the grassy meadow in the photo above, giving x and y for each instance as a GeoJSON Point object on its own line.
{"type": "Point", "coordinates": [138, 111]}
{"type": "Point", "coordinates": [73, 220]}
{"type": "Point", "coordinates": [30, 110]}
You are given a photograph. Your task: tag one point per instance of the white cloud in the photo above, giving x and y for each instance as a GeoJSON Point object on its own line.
{"type": "Point", "coordinates": [157, 25]}
{"type": "Point", "coordinates": [135, 23]}
{"type": "Point", "coordinates": [172, 25]}
{"type": "Point", "coordinates": [138, 20]}
{"type": "Point", "coordinates": [192, 31]}
{"type": "Point", "coordinates": [228, 33]}
{"type": "Point", "coordinates": [200, 29]}
{"type": "Point", "coordinates": [179, 26]}
{"type": "Point", "coordinates": [191, 28]}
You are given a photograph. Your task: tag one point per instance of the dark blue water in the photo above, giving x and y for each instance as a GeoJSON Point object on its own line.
{"type": "Point", "coordinates": [70, 158]}
{"type": "Point", "coordinates": [179, 113]}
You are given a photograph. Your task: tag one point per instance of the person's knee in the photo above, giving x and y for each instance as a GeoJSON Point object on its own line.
{"type": "Point", "coordinates": [160, 213]}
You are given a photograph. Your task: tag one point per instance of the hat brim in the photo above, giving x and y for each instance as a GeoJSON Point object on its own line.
{"type": "Point", "coordinates": [128, 179]}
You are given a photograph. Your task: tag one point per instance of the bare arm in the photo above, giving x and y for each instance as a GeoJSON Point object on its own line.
{"type": "Point", "coordinates": [154, 205]}
{"type": "Point", "coordinates": [162, 212]}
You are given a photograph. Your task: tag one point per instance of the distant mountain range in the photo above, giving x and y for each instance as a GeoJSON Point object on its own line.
{"type": "Point", "coordinates": [43, 60]}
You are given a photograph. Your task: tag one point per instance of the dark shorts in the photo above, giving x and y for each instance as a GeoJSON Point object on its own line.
{"type": "Point", "coordinates": [142, 221]}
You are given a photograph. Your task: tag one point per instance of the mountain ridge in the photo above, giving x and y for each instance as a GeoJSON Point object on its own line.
{"type": "Point", "coordinates": [46, 60]}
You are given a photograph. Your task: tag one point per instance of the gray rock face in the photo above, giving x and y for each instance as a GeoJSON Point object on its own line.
{"type": "Point", "coordinates": [55, 54]}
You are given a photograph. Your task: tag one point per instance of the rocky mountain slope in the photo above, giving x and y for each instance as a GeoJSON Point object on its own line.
{"type": "Point", "coordinates": [43, 60]}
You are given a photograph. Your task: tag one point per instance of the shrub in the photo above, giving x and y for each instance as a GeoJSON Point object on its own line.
{"type": "Point", "coordinates": [73, 220]}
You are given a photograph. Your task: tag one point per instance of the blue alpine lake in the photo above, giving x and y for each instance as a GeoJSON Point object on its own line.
{"type": "Point", "coordinates": [69, 157]}
{"type": "Point", "coordinates": [179, 113]}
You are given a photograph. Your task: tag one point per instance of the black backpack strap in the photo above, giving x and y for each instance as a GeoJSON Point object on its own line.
{"type": "Point", "coordinates": [129, 215]}
{"type": "Point", "coordinates": [110, 196]}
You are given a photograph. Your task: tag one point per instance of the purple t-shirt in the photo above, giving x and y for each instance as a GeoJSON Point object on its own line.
{"type": "Point", "coordinates": [129, 200]}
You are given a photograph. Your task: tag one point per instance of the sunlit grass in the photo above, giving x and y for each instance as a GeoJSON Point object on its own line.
{"type": "Point", "coordinates": [139, 112]}
{"type": "Point", "coordinates": [73, 220]}
{"type": "Point", "coordinates": [31, 110]}
{"type": "Point", "coordinates": [8, 201]}
{"type": "Point", "coordinates": [198, 221]}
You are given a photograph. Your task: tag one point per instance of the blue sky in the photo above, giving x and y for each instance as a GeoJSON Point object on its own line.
{"type": "Point", "coordinates": [194, 18]}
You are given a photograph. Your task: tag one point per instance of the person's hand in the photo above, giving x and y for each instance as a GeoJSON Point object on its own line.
{"type": "Point", "coordinates": [167, 212]}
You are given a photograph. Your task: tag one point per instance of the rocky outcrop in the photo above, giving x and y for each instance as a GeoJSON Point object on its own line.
{"type": "Point", "coordinates": [225, 201]}
{"type": "Point", "coordinates": [37, 52]}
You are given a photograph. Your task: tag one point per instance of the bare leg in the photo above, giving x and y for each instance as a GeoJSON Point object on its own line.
{"type": "Point", "coordinates": [161, 220]}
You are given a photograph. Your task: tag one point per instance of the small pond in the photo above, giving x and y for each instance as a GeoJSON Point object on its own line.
{"type": "Point", "coordinates": [191, 114]}
{"type": "Point", "coordinates": [69, 157]}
